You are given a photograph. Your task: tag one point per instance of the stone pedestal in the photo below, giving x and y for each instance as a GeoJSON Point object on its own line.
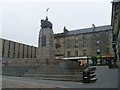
{"type": "Point", "coordinates": [46, 50]}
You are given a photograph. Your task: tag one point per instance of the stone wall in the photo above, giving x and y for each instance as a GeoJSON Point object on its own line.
{"type": "Point", "coordinates": [30, 62]}
{"type": "Point", "coordinates": [11, 49]}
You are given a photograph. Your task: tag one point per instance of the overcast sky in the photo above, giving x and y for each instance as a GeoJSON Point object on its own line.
{"type": "Point", "coordinates": [21, 18]}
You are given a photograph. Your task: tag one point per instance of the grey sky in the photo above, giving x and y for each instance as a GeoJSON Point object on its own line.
{"type": "Point", "coordinates": [21, 19]}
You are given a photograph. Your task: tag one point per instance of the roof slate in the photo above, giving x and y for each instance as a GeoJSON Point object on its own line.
{"type": "Point", "coordinates": [86, 30]}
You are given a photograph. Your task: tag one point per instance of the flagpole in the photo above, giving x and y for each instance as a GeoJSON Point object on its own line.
{"type": "Point", "coordinates": [47, 12]}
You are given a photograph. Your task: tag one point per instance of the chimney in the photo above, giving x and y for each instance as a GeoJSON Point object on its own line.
{"type": "Point", "coordinates": [65, 30]}
{"type": "Point", "coordinates": [93, 27]}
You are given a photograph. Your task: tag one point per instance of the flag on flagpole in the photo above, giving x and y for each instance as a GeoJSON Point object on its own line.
{"type": "Point", "coordinates": [47, 9]}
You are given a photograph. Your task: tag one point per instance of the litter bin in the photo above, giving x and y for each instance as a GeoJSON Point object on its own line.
{"type": "Point", "coordinates": [89, 75]}
{"type": "Point", "coordinates": [86, 76]}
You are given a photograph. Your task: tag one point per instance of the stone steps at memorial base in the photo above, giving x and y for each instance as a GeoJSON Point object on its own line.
{"type": "Point", "coordinates": [55, 72]}
{"type": "Point", "coordinates": [61, 77]}
{"type": "Point", "coordinates": [57, 79]}
{"type": "Point", "coordinates": [47, 75]}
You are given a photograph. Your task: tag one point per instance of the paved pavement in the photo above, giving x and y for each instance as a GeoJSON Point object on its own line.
{"type": "Point", "coordinates": [8, 83]}
{"type": "Point", "coordinates": [107, 78]}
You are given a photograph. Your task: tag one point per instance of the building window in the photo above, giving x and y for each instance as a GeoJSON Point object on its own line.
{"type": "Point", "coordinates": [97, 35]}
{"type": "Point", "coordinates": [84, 44]}
{"type": "Point", "coordinates": [18, 55]}
{"type": "Point", "coordinates": [68, 45]}
{"type": "Point", "coordinates": [107, 33]}
{"type": "Point", "coordinates": [107, 51]}
{"type": "Point", "coordinates": [98, 51]}
{"type": "Point", "coordinates": [61, 39]}
{"type": "Point", "coordinates": [57, 46]}
{"type": "Point", "coordinates": [76, 38]}
{"type": "Point", "coordinates": [83, 37]}
{"type": "Point", "coordinates": [68, 38]}
{"type": "Point", "coordinates": [76, 53]}
{"type": "Point", "coordinates": [97, 42]}
{"type": "Point", "coordinates": [68, 53]}
{"type": "Point", "coordinates": [76, 45]}
{"type": "Point", "coordinates": [84, 52]}
{"type": "Point", "coordinates": [107, 41]}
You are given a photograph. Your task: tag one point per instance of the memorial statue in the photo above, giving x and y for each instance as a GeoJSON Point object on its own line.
{"type": "Point", "coordinates": [45, 23]}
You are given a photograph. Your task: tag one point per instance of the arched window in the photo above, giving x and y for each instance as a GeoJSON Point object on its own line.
{"type": "Point", "coordinates": [76, 45]}
{"type": "Point", "coordinates": [76, 53]}
{"type": "Point", "coordinates": [57, 46]}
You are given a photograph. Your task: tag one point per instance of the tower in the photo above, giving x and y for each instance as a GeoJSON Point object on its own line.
{"type": "Point", "coordinates": [46, 50]}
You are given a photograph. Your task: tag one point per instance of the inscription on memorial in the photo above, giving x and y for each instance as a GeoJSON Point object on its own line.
{"type": "Point", "coordinates": [43, 41]}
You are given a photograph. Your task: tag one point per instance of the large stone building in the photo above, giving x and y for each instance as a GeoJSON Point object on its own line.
{"type": "Point", "coordinates": [84, 42]}
{"type": "Point", "coordinates": [71, 43]}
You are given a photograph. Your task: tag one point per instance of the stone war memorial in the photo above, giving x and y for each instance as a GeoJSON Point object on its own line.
{"type": "Point", "coordinates": [46, 51]}
{"type": "Point", "coordinates": [44, 66]}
